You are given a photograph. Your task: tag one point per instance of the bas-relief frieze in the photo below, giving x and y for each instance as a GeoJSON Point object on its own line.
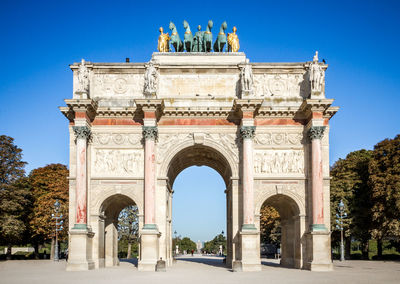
{"type": "Point", "coordinates": [109, 85]}
{"type": "Point", "coordinates": [279, 162]}
{"type": "Point", "coordinates": [117, 162]}
{"type": "Point", "coordinates": [281, 85]}
{"type": "Point", "coordinates": [117, 139]}
{"type": "Point", "coordinates": [278, 139]}
{"type": "Point", "coordinates": [196, 84]}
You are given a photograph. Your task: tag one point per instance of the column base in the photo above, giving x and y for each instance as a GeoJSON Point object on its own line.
{"type": "Point", "coordinates": [148, 249]}
{"type": "Point", "coordinates": [250, 255]}
{"type": "Point", "coordinates": [319, 244]}
{"type": "Point", "coordinates": [80, 250]}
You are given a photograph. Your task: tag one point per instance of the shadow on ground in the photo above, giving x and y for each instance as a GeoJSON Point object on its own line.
{"type": "Point", "coordinates": [133, 261]}
{"type": "Point", "coordinates": [217, 262]}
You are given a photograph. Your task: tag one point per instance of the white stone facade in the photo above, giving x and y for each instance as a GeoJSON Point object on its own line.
{"type": "Point", "coordinates": [198, 114]}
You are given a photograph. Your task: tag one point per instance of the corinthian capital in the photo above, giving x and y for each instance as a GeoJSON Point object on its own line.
{"type": "Point", "coordinates": [81, 132]}
{"type": "Point", "coordinates": [150, 132]}
{"type": "Point", "coordinates": [248, 132]}
{"type": "Point", "coordinates": [316, 132]}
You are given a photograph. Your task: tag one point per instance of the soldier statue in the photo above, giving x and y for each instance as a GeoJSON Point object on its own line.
{"type": "Point", "coordinates": [198, 40]}
{"type": "Point", "coordinates": [163, 41]}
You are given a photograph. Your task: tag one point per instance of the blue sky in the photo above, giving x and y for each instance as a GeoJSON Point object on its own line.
{"type": "Point", "coordinates": [39, 39]}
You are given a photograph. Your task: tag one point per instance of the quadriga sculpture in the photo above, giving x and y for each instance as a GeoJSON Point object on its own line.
{"type": "Point", "coordinates": [175, 39]}
{"type": "Point", "coordinates": [221, 39]}
{"type": "Point", "coordinates": [207, 38]}
{"type": "Point", "coordinates": [188, 37]}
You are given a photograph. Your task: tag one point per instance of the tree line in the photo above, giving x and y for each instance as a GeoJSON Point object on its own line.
{"type": "Point", "coordinates": [27, 201]}
{"type": "Point", "coordinates": [368, 182]}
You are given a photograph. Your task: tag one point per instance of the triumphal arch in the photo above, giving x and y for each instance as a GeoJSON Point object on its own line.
{"type": "Point", "coordinates": [264, 127]}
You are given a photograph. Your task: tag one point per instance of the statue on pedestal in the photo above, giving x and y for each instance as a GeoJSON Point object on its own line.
{"type": "Point", "coordinates": [188, 37]}
{"type": "Point", "coordinates": [233, 41]}
{"type": "Point", "coordinates": [83, 80]}
{"type": "Point", "coordinates": [247, 78]}
{"type": "Point", "coordinates": [221, 39]}
{"type": "Point", "coordinates": [163, 41]}
{"type": "Point", "coordinates": [175, 39]}
{"type": "Point", "coordinates": [316, 75]}
{"type": "Point", "coordinates": [150, 79]}
{"type": "Point", "coordinates": [198, 40]}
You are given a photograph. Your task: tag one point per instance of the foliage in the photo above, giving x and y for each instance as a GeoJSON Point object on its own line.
{"type": "Point", "coordinates": [384, 181]}
{"type": "Point", "coordinates": [48, 184]}
{"type": "Point", "coordinates": [213, 245]}
{"type": "Point", "coordinates": [270, 226]}
{"type": "Point", "coordinates": [14, 196]}
{"type": "Point", "coordinates": [350, 184]}
{"type": "Point", "coordinates": [186, 244]}
{"type": "Point", "coordinates": [128, 226]}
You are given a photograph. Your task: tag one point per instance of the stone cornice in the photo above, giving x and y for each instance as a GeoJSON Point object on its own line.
{"type": "Point", "coordinates": [197, 112]}
{"type": "Point", "coordinates": [109, 112]}
{"type": "Point", "coordinates": [79, 105]}
{"type": "Point", "coordinates": [309, 106]}
{"type": "Point", "coordinates": [250, 105]}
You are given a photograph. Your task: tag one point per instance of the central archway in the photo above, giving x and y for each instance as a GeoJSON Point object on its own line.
{"type": "Point", "coordinates": [202, 155]}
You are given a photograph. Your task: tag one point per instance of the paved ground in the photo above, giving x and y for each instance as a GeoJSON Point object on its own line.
{"type": "Point", "coordinates": [197, 269]}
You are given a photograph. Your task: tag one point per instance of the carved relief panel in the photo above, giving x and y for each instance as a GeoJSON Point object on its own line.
{"type": "Point", "coordinates": [117, 163]}
{"type": "Point", "coordinates": [281, 85]}
{"type": "Point", "coordinates": [117, 85]}
{"type": "Point", "coordinates": [278, 138]}
{"type": "Point", "coordinates": [279, 162]}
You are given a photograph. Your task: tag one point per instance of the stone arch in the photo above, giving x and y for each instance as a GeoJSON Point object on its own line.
{"type": "Point", "coordinates": [112, 191]}
{"type": "Point", "coordinates": [108, 206]}
{"type": "Point", "coordinates": [173, 151]}
{"type": "Point", "coordinates": [297, 199]}
{"type": "Point", "coordinates": [291, 210]}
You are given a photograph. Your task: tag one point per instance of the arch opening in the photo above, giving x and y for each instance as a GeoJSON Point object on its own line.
{"type": "Point", "coordinates": [205, 157]}
{"type": "Point", "coordinates": [280, 215]}
{"type": "Point", "coordinates": [110, 228]}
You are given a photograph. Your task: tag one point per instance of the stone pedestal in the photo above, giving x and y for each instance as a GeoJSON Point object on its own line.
{"type": "Point", "coordinates": [319, 243]}
{"type": "Point", "coordinates": [149, 250]}
{"type": "Point", "coordinates": [249, 250]}
{"type": "Point", "coordinates": [80, 250]}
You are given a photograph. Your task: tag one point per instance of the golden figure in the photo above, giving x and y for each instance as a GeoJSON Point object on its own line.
{"type": "Point", "coordinates": [233, 41]}
{"type": "Point", "coordinates": [163, 41]}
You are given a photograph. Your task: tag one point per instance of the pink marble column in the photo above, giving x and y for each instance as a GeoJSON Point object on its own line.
{"type": "Point", "coordinates": [150, 135]}
{"type": "Point", "coordinates": [82, 133]}
{"type": "Point", "coordinates": [316, 134]}
{"type": "Point", "coordinates": [248, 133]}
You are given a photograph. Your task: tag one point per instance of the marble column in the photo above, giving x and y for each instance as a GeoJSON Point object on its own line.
{"type": "Point", "coordinates": [316, 133]}
{"type": "Point", "coordinates": [82, 134]}
{"type": "Point", "coordinates": [150, 134]}
{"type": "Point", "coordinates": [247, 133]}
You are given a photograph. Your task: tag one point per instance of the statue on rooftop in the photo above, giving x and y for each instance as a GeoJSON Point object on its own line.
{"type": "Point", "coordinates": [163, 41]}
{"type": "Point", "coordinates": [187, 38]}
{"type": "Point", "coordinates": [233, 41]}
{"type": "Point", "coordinates": [316, 75]}
{"type": "Point", "coordinates": [198, 40]}
{"type": "Point", "coordinates": [175, 41]}
{"type": "Point", "coordinates": [221, 39]}
{"type": "Point", "coordinates": [207, 37]}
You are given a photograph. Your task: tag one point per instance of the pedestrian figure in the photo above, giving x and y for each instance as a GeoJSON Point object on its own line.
{"type": "Point", "coordinates": [192, 252]}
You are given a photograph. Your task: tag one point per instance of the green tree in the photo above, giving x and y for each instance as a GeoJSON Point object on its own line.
{"type": "Point", "coordinates": [214, 245]}
{"type": "Point", "coordinates": [350, 183]}
{"type": "Point", "coordinates": [14, 197]}
{"type": "Point", "coordinates": [186, 244]}
{"type": "Point", "coordinates": [384, 170]}
{"type": "Point", "coordinates": [270, 226]}
{"type": "Point", "coordinates": [128, 226]}
{"type": "Point", "coordinates": [48, 184]}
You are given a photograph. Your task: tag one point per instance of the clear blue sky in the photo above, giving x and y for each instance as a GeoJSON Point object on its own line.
{"type": "Point", "coordinates": [38, 39]}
